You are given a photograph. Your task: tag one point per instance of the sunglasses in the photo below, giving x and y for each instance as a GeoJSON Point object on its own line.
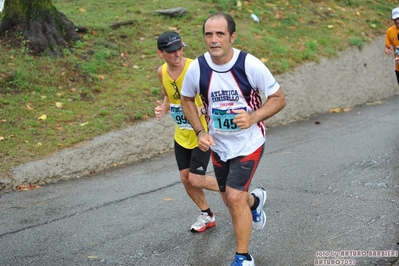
{"type": "Point", "coordinates": [176, 95]}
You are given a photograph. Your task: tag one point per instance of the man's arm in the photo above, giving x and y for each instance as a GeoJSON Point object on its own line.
{"type": "Point", "coordinates": [162, 107]}
{"type": "Point", "coordinates": [388, 51]}
{"type": "Point", "coordinates": [190, 111]}
{"type": "Point", "coordinates": [274, 104]}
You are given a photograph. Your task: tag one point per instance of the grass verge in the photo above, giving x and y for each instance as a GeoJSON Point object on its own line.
{"type": "Point", "coordinates": [108, 81]}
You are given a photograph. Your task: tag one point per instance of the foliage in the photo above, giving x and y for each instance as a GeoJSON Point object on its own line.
{"type": "Point", "coordinates": [108, 80]}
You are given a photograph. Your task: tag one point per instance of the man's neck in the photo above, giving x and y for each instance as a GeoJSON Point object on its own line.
{"type": "Point", "coordinates": [175, 71]}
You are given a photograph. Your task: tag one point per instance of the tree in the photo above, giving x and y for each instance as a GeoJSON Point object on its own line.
{"type": "Point", "coordinates": [42, 26]}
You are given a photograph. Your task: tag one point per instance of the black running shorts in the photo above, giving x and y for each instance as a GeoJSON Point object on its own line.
{"type": "Point", "coordinates": [194, 159]}
{"type": "Point", "coordinates": [236, 173]}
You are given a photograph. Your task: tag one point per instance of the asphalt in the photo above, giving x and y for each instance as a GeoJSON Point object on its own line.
{"type": "Point", "coordinates": [332, 183]}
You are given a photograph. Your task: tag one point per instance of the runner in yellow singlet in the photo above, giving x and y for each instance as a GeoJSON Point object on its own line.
{"type": "Point", "coordinates": [191, 161]}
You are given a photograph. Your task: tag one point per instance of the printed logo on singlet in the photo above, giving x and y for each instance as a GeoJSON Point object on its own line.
{"type": "Point", "coordinates": [225, 95]}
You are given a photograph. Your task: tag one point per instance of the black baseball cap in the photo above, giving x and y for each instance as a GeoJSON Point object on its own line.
{"type": "Point", "coordinates": [170, 41]}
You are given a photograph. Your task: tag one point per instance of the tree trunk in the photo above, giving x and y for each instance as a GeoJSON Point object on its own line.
{"type": "Point", "coordinates": [43, 27]}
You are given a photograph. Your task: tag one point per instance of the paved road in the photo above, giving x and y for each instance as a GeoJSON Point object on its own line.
{"type": "Point", "coordinates": [332, 182]}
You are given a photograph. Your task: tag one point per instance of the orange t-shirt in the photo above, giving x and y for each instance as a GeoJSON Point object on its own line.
{"type": "Point", "coordinates": [392, 40]}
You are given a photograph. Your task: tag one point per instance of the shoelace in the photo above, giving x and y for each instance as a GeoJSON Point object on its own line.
{"type": "Point", "coordinates": [236, 261]}
{"type": "Point", "coordinates": [256, 216]}
{"type": "Point", "coordinates": [202, 218]}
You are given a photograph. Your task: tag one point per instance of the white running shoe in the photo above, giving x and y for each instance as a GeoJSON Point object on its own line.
{"type": "Point", "coordinates": [203, 222]}
{"type": "Point", "coordinates": [259, 215]}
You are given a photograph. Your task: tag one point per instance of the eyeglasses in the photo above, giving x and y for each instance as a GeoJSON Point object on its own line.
{"type": "Point", "coordinates": [176, 95]}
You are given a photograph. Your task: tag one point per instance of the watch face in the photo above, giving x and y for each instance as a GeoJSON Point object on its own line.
{"type": "Point", "coordinates": [203, 111]}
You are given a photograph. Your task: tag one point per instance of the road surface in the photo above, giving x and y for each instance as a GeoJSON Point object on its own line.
{"type": "Point", "coordinates": [333, 190]}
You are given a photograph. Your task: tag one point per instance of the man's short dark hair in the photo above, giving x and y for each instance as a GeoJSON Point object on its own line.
{"type": "Point", "coordinates": [231, 25]}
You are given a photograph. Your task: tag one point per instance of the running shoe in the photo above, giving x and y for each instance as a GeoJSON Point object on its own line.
{"type": "Point", "coordinates": [203, 222]}
{"type": "Point", "coordinates": [240, 260]}
{"type": "Point", "coordinates": [259, 215]}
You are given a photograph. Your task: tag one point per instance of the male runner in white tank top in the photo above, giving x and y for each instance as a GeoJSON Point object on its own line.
{"type": "Point", "coordinates": [229, 82]}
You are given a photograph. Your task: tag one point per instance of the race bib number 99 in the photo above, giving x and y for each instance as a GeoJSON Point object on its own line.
{"type": "Point", "coordinates": [177, 114]}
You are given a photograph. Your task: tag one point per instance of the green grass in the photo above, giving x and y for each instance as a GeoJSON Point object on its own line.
{"type": "Point", "coordinates": [108, 81]}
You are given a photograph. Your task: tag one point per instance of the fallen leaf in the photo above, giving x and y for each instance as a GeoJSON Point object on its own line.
{"type": "Point", "coordinates": [83, 124]}
{"type": "Point", "coordinates": [357, 13]}
{"type": "Point", "coordinates": [347, 109]}
{"type": "Point", "coordinates": [31, 186]}
{"type": "Point", "coordinates": [59, 105]}
{"type": "Point", "coordinates": [92, 257]}
{"type": "Point", "coordinates": [43, 96]}
{"type": "Point", "coordinates": [4, 120]}
{"type": "Point", "coordinates": [239, 4]}
{"type": "Point", "coordinates": [82, 10]}
{"type": "Point", "coordinates": [168, 199]}
{"type": "Point", "coordinates": [374, 103]}
{"type": "Point", "coordinates": [28, 106]}
{"type": "Point", "coordinates": [1, 138]}
{"type": "Point", "coordinates": [42, 118]}
{"type": "Point", "coordinates": [264, 60]}
{"type": "Point", "coordinates": [22, 187]}
{"type": "Point", "coordinates": [279, 16]}
{"type": "Point", "coordinates": [330, 26]}
{"type": "Point", "coordinates": [335, 110]}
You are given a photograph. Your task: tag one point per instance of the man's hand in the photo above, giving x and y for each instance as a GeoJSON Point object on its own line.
{"type": "Point", "coordinates": [388, 51]}
{"type": "Point", "coordinates": [205, 140]}
{"type": "Point", "coordinates": [243, 119]}
{"type": "Point", "coordinates": [159, 111]}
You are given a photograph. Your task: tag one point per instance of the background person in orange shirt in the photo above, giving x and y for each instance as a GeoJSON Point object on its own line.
{"type": "Point", "coordinates": [392, 40]}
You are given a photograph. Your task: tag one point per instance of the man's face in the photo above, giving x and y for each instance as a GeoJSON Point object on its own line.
{"type": "Point", "coordinates": [218, 40]}
{"type": "Point", "coordinates": [174, 58]}
{"type": "Point", "coordinates": [396, 21]}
